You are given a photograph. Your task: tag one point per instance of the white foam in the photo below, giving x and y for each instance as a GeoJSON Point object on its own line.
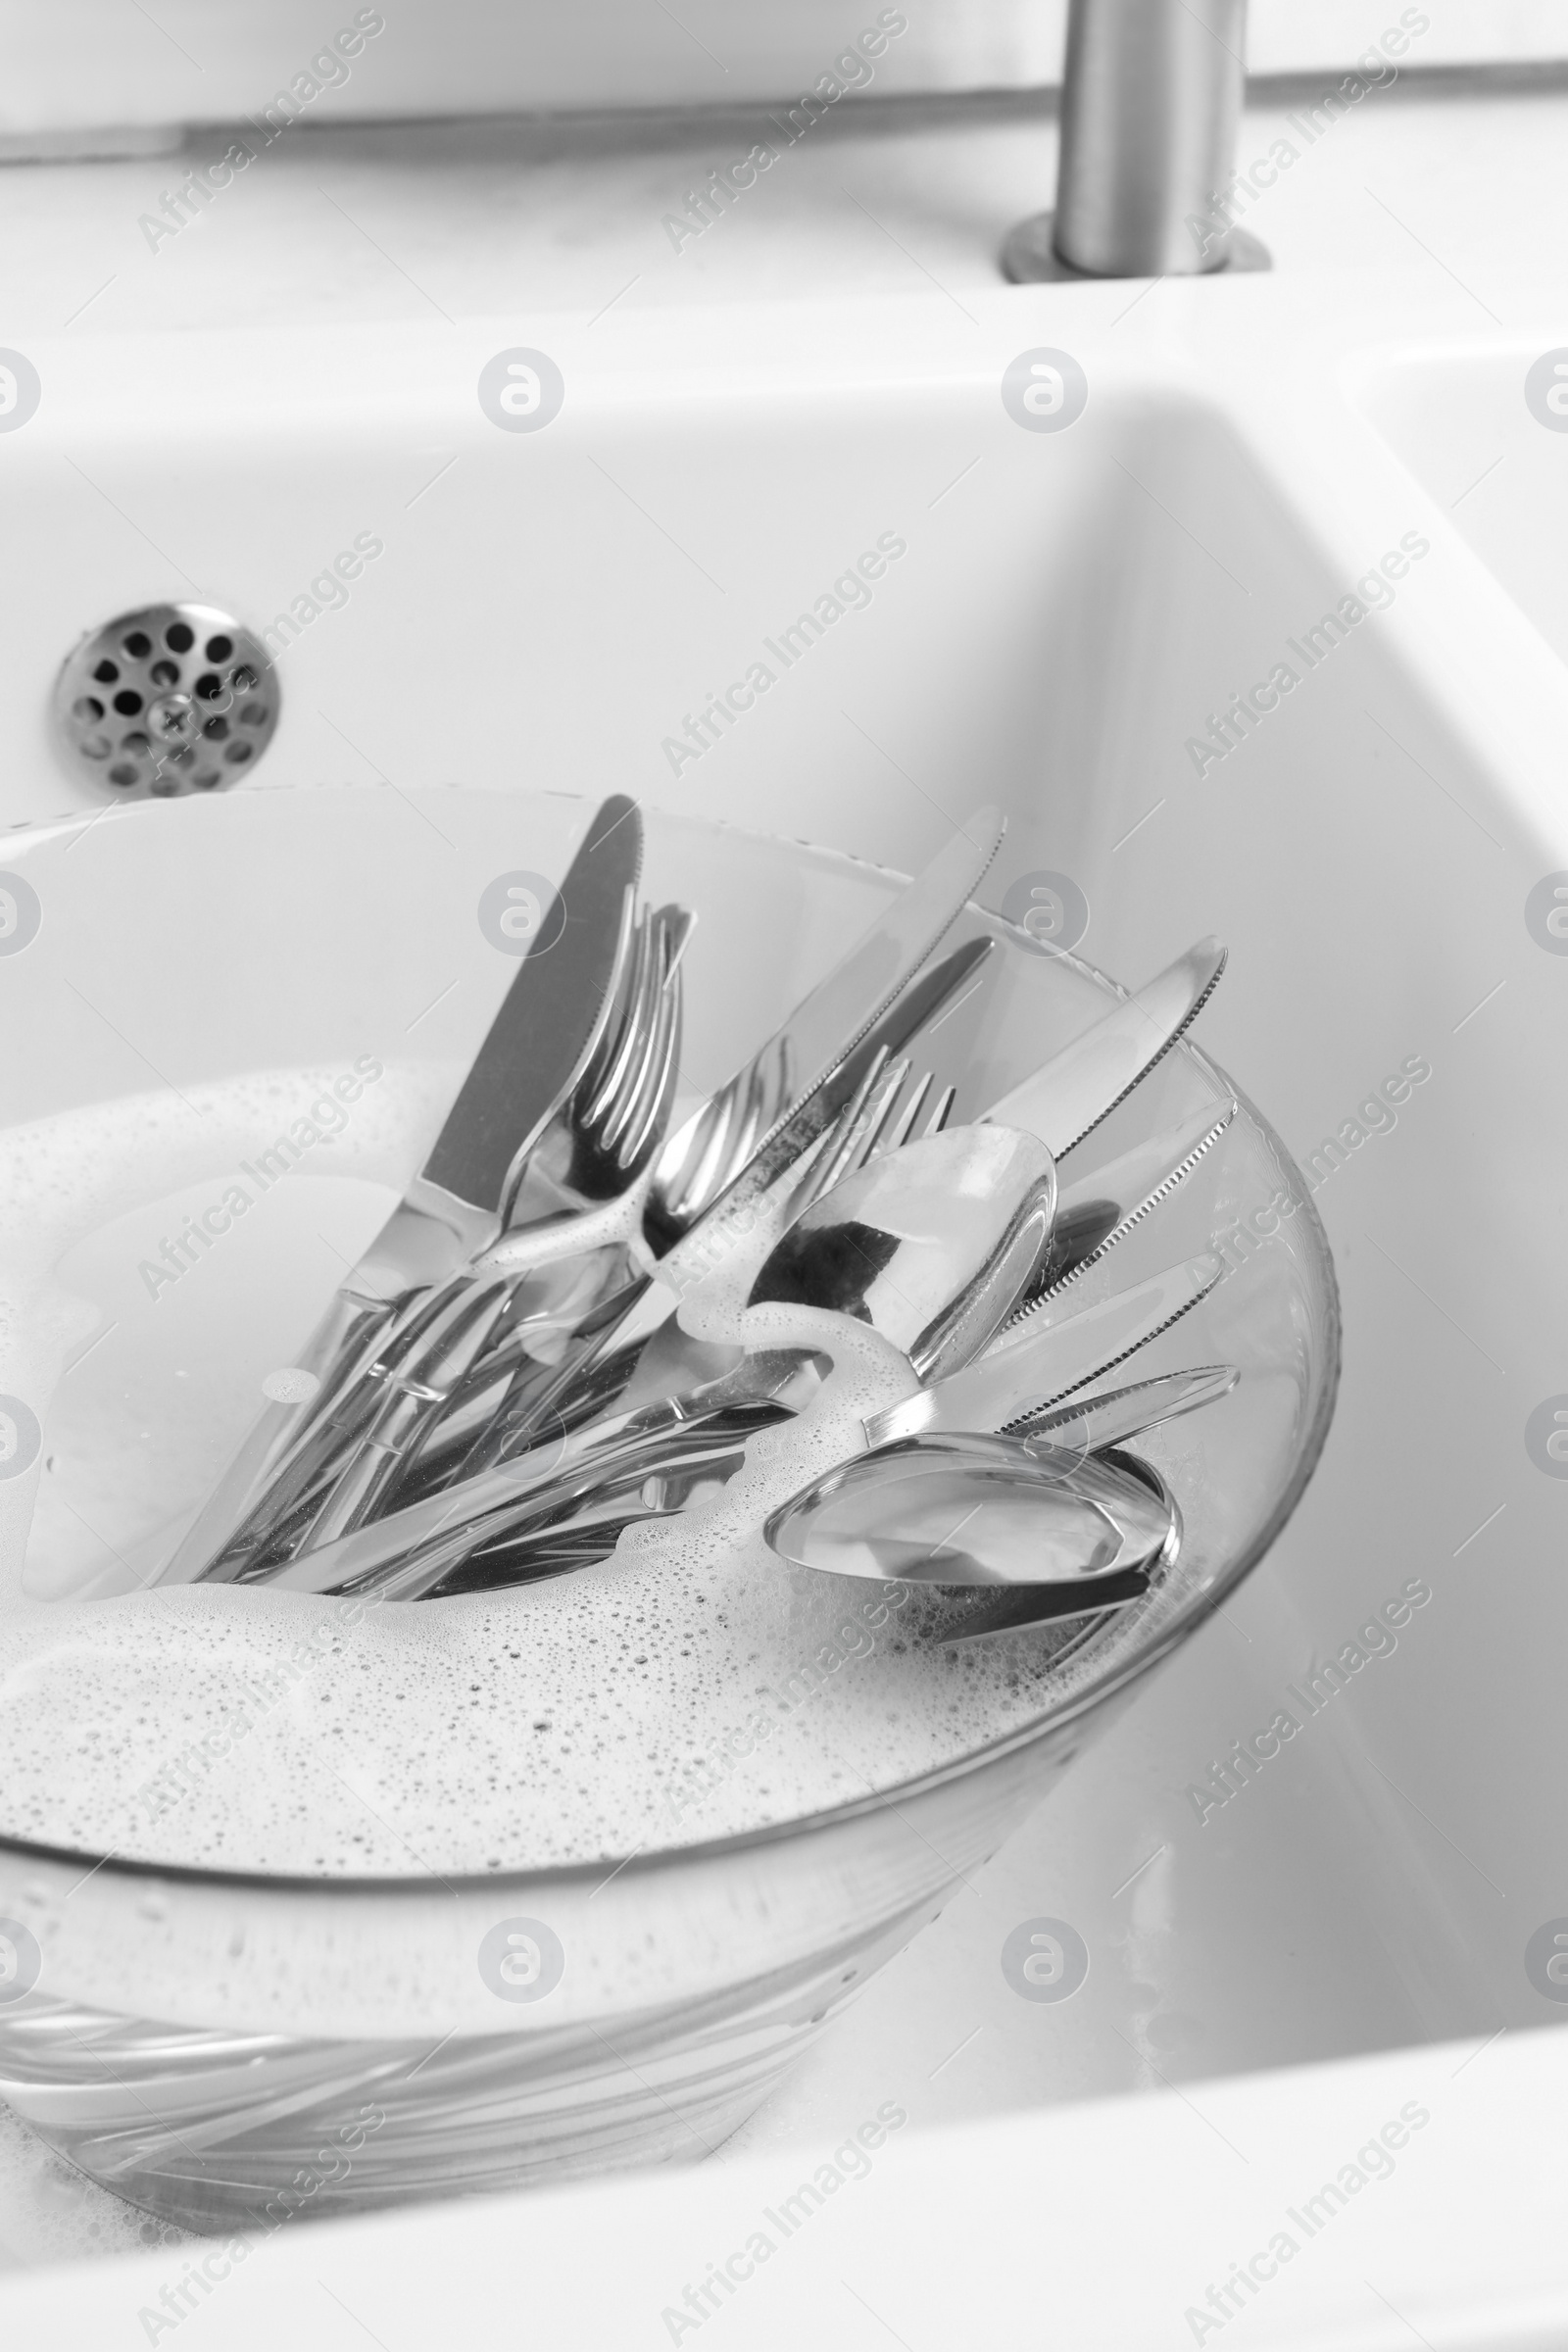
{"type": "Point", "coordinates": [690, 1687]}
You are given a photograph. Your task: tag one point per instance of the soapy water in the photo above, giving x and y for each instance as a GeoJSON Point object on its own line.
{"type": "Point", "coordinates": [691, 1685]}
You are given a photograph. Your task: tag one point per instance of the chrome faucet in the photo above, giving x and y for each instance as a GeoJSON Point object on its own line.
{"type": "Point", "coordinates": [1152, 94]}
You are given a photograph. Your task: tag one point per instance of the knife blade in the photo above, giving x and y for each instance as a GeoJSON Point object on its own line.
{"type": "Point", "coordinates": [1084, 1425]}
{"type": "Point", "coordinates": [1083, 1083]}
{"type": "Point", "coordinates": [826, 1032]}
{"type": "Point", "coordinates": [1032, 1368]}
{"type": "Point", "coordinates": [550, 1018]}
{"type": "Point", "coordinates": [1104, 1205]}
{"type": "Point", "coordinates": [537, 1045]}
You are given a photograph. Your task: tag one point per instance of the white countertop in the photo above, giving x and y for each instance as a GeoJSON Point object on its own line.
{"type": "Point", "coordinates": [440, 223]}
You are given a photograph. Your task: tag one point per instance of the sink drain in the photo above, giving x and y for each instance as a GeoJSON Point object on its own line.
{"type": "Point", "coordinates": [176, 698]}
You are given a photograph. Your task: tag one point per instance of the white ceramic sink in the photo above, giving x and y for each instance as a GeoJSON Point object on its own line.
{"type": "Point", "coordinates": [1061, 618]}
{"type": "Point", "coordinates": [1485, 432]}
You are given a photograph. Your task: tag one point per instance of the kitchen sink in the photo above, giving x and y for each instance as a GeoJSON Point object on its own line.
{"type": "Point", "coordinates": [1266, 637]}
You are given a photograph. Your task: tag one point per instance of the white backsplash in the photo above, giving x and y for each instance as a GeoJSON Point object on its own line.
{"type": "Point", "coordinates": [87, 77]}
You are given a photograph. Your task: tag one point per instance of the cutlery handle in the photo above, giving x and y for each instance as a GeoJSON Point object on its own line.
{"type": "Point", "coordinates": [637, 1455]}
{"type": "Point", "coordinates": [347, 1336]}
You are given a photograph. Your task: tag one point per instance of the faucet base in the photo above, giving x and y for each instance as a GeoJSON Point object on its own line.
{"type": "Point", "coordinates": [1029, 256]}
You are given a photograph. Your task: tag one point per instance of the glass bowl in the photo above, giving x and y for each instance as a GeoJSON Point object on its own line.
{"type": "Point", "coordinates": [227, 2046]}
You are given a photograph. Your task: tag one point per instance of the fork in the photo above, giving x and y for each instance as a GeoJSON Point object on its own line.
{"type": "Point", "coordinates": [589, 1158]}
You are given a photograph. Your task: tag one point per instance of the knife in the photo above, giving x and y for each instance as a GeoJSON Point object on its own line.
{"type": "Point", "coordinates": [1083, 1083]}
{"type": "Point", "coordinates": [535, 1052]}
{"type": "Point", "coordinates": [540, 1041]}
{"type": "Point", "coordinates": [1035, 1366]}
{"type": "Point", "coordinates": [1103, 1206]}
{"type": "Point", "coordinates": [1084, 1426]}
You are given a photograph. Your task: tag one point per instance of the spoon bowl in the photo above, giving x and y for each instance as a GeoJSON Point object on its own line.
{"type": "Point", "coordinates": [973, 1511]}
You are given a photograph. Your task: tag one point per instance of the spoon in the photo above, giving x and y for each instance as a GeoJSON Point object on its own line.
{"type": "Point", "coordinates": [930, 1248]}
{"type": "Point", "coordinates": [984, 1511]}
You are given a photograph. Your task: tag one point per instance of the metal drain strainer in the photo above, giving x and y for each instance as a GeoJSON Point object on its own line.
{"type": "Point", "coordinates": [176, 698]}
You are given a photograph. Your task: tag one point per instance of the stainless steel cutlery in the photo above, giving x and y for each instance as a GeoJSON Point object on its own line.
{"type": "Point", "coordinates": [537, 1047]}
{"type": "Point", "coordinates": [525, 1363]}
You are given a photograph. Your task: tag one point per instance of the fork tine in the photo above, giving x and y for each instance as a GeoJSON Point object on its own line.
{"type": "Point", "coordinates": [661, 1104]}
{"type": "Point", "coordinates": [828, 1154]}
{"type": "Point", "coordinates": [899, 1131]}
{"type": "Point", "coordinates": [871, 1142]}
{"type": "Point", "coordinates": [619, 1111]}
{"type": "Point", "coordinates": [707, 1154]}
{"type": "Point", "coordinates": [614, 1027]}
{"type": "Point", "coordinates": [862, 1122]}
{"type": "Point", "coordinates": [611, 1077]}
{"type": "Point", "coordinates": [941, 1112]}
{"type": "Point", "coordinates": [679, 925]}
{"type": "Point", "coordinates": [653, 1090]}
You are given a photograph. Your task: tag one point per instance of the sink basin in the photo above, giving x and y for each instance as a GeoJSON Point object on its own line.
{"type": "Point", "coordinates": [1477, 431]}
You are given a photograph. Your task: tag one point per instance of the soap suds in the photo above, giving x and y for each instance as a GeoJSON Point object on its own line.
{"type": "Point", "coordinates": [689, 1686]}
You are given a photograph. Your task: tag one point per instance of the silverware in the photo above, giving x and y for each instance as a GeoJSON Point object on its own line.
{"type": "Point", "coordinates": [792, 1071]}
{"type": "Point", "coordinates": [1123, 1414]}
{"type": "Point", "coordinates": [1066, 1099]}
{"type": "Point", "coordinates": [592, 1151]}
{"type": "Point", "coordinates": [533, 1053]}
{"type": "Point", "coordinates": [1099, 1208]}
{"type": "Point", "coordinates": [577, 1534]}
{"type": "Point", "coordinates": [647, 1303]}
{"type": "Point", "coordinates": [1024, 1607]}
{"type": "Point", "coordinates": [612, 1124]}
{"type": "Point", "coordinates": [970, 1510]}
{"type": "Point", "coordinates": [821, 1045]}
{"type": "Point", "coordinates": [885, 1250]}
{"type": "Point", "coordinates": [1061, 1103]}
{"type": "Point", "coordinates": [881, 1117]}
{"type": "Point", "coordinates": [973, 1509]}
{"type": "Point", "coordinates": [1128, 1190]}
{"type": "Point", "coordinates": [1048, 1357]}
